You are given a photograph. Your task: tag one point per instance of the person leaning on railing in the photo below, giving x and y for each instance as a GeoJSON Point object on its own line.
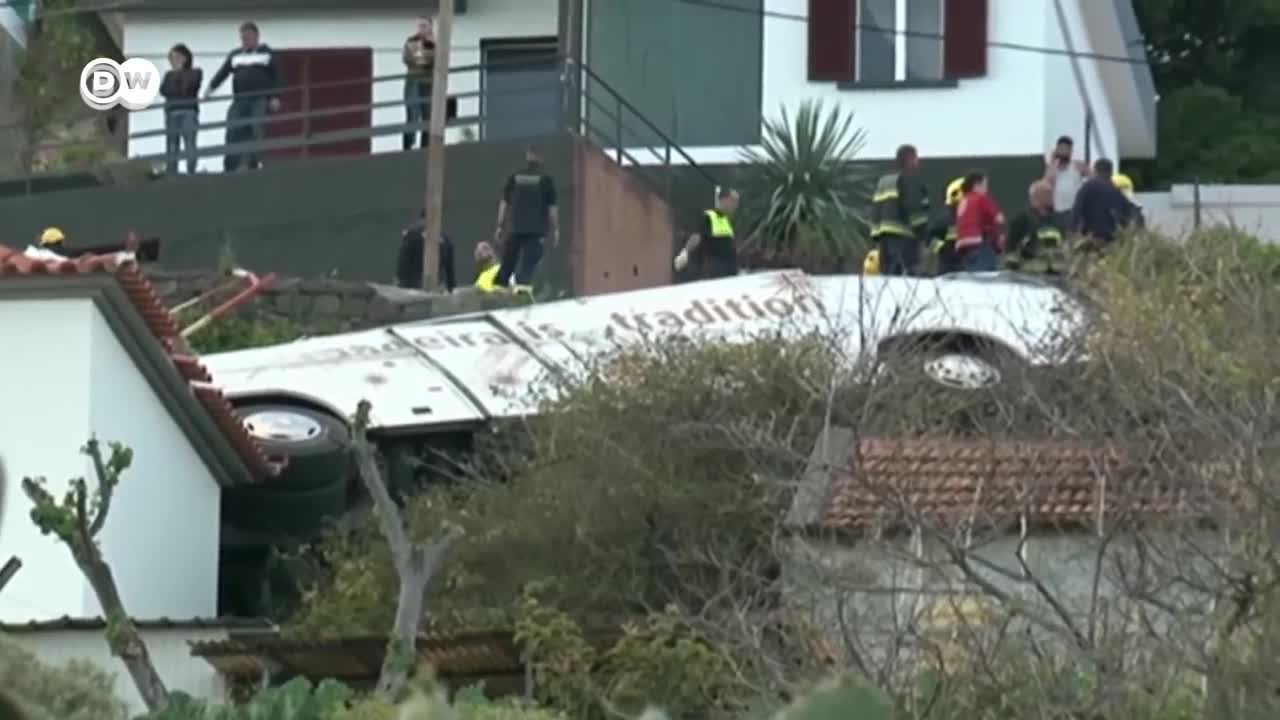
{"type": "Point", "coordinates": [181, 90]}
{"type": "Point", "coordinates": [255, 80]}
{"type": "Point", "coordinates": [419, 57]}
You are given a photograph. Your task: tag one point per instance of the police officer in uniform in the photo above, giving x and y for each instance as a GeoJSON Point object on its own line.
{"type": "Point", "coordinates": [1036, 242]}
{"type": "Point", "coordinates": [942, 232]}
{"type": "Point", "coordinates": [530, 194]}
{"type": "Point", "coordinates": [900, 215]}
{"type": "Point", "coordinates": [713, 248]}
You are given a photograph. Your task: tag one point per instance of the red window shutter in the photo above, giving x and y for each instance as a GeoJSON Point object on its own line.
{"type": "Point", "coordinates": [965, 38]}
{"type": "Point", "coordinates": [831, 40]}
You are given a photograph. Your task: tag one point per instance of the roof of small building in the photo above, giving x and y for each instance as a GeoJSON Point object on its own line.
{"type": "Point", "coordinates": [885, 484]}
{"type": "Point", "coordinates": [66, 622]}
{"type": "Point", "coordinates": [150, 335]}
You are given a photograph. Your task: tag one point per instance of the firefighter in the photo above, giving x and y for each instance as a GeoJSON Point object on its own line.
{"type": "Point", "coordinates": [1125, 184]}
{"type": "Point", "coordinates": [487, 268]}
{"type": "Point", "coordinates": [942, 232]}
{"type": "Point", "coordinates": [900, 215]}
{"type": "Point", "coordinates": [713, 249]}
{"type": "Point", "coordinates": [1036, 242]}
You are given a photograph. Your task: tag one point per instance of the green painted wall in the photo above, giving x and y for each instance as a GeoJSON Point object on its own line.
{"type": "Point", "coordinates": [693, 70]}
{"type": "Point", "coordinates": [306, 218]}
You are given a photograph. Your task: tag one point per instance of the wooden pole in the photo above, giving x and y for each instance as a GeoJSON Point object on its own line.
{"type": "Point", "coordinates": [570, 28]}
{"type": "Point", "coordinates": [435, 146]}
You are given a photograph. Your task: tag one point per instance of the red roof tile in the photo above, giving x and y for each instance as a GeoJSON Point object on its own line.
{"type": "Point", "coordinates": [158, 320]}
{"type": "Point", "coordinates": [892, 483]}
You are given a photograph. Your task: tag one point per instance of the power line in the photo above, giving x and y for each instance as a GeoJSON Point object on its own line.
{"type": "Point", "coordinates": [999, 44]}
{"type": "Point", "coordinates": [716, 5]}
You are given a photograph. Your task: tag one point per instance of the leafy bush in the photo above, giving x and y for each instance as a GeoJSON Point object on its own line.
{"type": "Point", "coordinates": [76, 691]}
{"type": "Point", "coordinates": [242, 332]}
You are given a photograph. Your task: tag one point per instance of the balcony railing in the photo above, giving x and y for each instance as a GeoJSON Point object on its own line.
{"type": "Point", "coordinates": [596, 111]}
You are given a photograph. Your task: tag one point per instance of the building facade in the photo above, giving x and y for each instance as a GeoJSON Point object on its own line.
{"type": "Point", "coordinates": [1008, 76]}
{"type": "Point", "coordinates": [351, 58]}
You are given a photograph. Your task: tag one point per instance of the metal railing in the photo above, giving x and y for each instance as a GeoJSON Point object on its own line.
{"type": "Point", "coordinates": [600, 113]}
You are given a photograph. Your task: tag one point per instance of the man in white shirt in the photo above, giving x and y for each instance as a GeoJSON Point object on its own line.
{"type": "Point", "coordinates": [1065, 175]}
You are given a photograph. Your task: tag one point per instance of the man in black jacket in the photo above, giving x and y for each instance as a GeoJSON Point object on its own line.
{"type": "Point", "coordinates": [412, 248]}
{"type": "Point", "coordinates": [255, 82]}
{"type": "Point", "coordinates": [1101, 209]}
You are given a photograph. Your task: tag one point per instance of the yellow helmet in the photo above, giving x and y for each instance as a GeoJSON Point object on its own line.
{"type": "Point", "coordinates": [52, 236]}
{"type": "Point", "coordinates": [955, 191]}
{"type": "Point", "coordinates": [871, 263]}
{"type": "Point", "coordinates": [1123, 183]}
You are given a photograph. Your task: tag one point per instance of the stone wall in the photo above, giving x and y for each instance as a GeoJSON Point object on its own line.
{"type": "Point", "coordinates": [327, 305]}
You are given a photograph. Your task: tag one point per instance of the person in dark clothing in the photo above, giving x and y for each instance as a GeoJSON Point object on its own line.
{"type": "Point", "coordinates": [1036, 243]}
{"type": "Point", "coordinates": [419, 57]}
{"type": "Point", "coordinates": [180, 88]}
{"type": "Point", "coordinates": [900, 215]}
{"type": "Point", "coordinates": [1101, 210]}
{"type": "Point", "coordinates": [413, 244]}
{"type": "Point", "coordinates": [255, 80]}
{"type": "Point", "coordinates": [713, 248]}
{"type": "Point", "coordinates": [942, 231]}
{"type": "Point", "coordinates": [530, 195]}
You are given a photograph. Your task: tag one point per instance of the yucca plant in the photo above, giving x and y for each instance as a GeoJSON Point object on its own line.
{"type": "Point", "coordinates": [804, 197]}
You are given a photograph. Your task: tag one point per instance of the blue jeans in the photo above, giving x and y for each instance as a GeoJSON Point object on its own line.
{"type": "Point", "coordinates": [180, 137]}
{"type": "Point", "coordinates": [417, 108]}
{"type": "Point", "coordinates": [979, 258]}
{"type": "Point", "coordinates": [246, 122]}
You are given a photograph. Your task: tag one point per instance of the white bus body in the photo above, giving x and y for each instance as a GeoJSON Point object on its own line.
{"type": "Point", "coordinates": [465, 371]}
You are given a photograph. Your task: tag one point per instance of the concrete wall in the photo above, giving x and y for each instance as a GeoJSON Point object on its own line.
{"type": "Point", "coordinates": [340, 216]}
{"type": "Point", "coordinates": [65, 377]}
{"type": "Point", "coordinates": [1253, 208]}
{"type": "Point", "coordinates": [211, 35]}
{"type": "Point", "coordinates": [884, 596]}
{"type": "Point", "coordinates": [169, 651]}
{"type": "Point", "coordinates": [630, 228]}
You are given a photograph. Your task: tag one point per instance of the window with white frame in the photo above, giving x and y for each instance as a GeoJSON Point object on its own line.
{"type": "Point", "coordinates": [899, 40]}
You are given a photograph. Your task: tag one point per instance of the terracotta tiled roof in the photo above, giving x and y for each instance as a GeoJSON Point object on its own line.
{"type": "Point", "coordinates": [158, 320]}
{"type": "Point", "coordinates": [892, 483]}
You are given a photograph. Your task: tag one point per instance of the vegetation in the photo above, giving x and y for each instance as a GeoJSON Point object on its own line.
{"type": "Point", "coordinates": [1215, 70]}
{"type": "Point", "coordinates": [78, 690]}
{"type": "Point", "coordinates": [804, 194]}
{"type": "Point", "coordinates": [242, 332]}
{"type": "Point", "coordinates": [643, 537]}
{"type": "Point", "coordinates": [46, 85]}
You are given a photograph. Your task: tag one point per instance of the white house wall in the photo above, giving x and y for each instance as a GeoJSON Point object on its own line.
{"type": "Point", "coordinates": [162, 533]}
{"type": "Point", "coordinates": [64, 376]}
{"type": "Point", "coordinates": [877, 597]}
{"type": "Point", "coordinates": [169, 651]}
{"type": "Point", "coordinates": [1073, 82]}
{"type": "Point", "coordinates": [44, 380]}
{"type": "Point", "coordinates": [211, 36]}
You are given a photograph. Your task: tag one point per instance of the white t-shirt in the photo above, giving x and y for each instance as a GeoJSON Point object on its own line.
{"type": "Point", "coordinates": [1065, 185]}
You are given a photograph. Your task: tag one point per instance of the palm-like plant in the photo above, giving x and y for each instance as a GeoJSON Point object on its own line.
{"type": "Point", "coordinates": [804, 196]}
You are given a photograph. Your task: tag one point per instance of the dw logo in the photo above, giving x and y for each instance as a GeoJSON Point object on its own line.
{"type": "Point", "coordinates": [132, 84]}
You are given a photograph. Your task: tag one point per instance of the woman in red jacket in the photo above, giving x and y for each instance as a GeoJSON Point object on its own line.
{"type": "Point", "coordinates": [979, 226]}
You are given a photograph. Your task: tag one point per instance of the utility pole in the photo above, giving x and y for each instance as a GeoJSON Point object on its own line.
{"type": "Point", "coordinates": [571, 78]}
{"type": "Point", "coordinates": [434, 204]}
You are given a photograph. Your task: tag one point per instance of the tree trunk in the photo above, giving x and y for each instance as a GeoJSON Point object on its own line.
{"type": "Point", "coordinates": [122, 635]}
{"type": "Point", "coordinates": [402, 649]}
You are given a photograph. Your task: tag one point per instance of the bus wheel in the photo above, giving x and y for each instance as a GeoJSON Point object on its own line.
{"type": "Point", "coordinates": [317, 444]}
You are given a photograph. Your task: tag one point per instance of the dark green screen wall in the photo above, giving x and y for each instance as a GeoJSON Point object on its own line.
{"type": "Point", "coordinates": [693, 70]}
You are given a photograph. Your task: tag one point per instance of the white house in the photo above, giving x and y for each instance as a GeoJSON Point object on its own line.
{"type": "Point", "coordinates": [56, 642]}
{"type": "Point", "coordinates": [326, 43]}
{"type": "Point", "coordinates": [878, 519]}
{"type": "Point", "coordinates": [90, 352]}
{"type": "Point", "coordinates": [959, 78]}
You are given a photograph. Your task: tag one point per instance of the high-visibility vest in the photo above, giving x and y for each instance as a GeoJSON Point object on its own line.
{"type": "Point", "coordinates": [487, 280]}
{"type": "Point", "coordinates": [887, 214]}
{"type": "Point", "coordinates": [871, 263]}
{"type": "Point", "coordinates": [721, 227]}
